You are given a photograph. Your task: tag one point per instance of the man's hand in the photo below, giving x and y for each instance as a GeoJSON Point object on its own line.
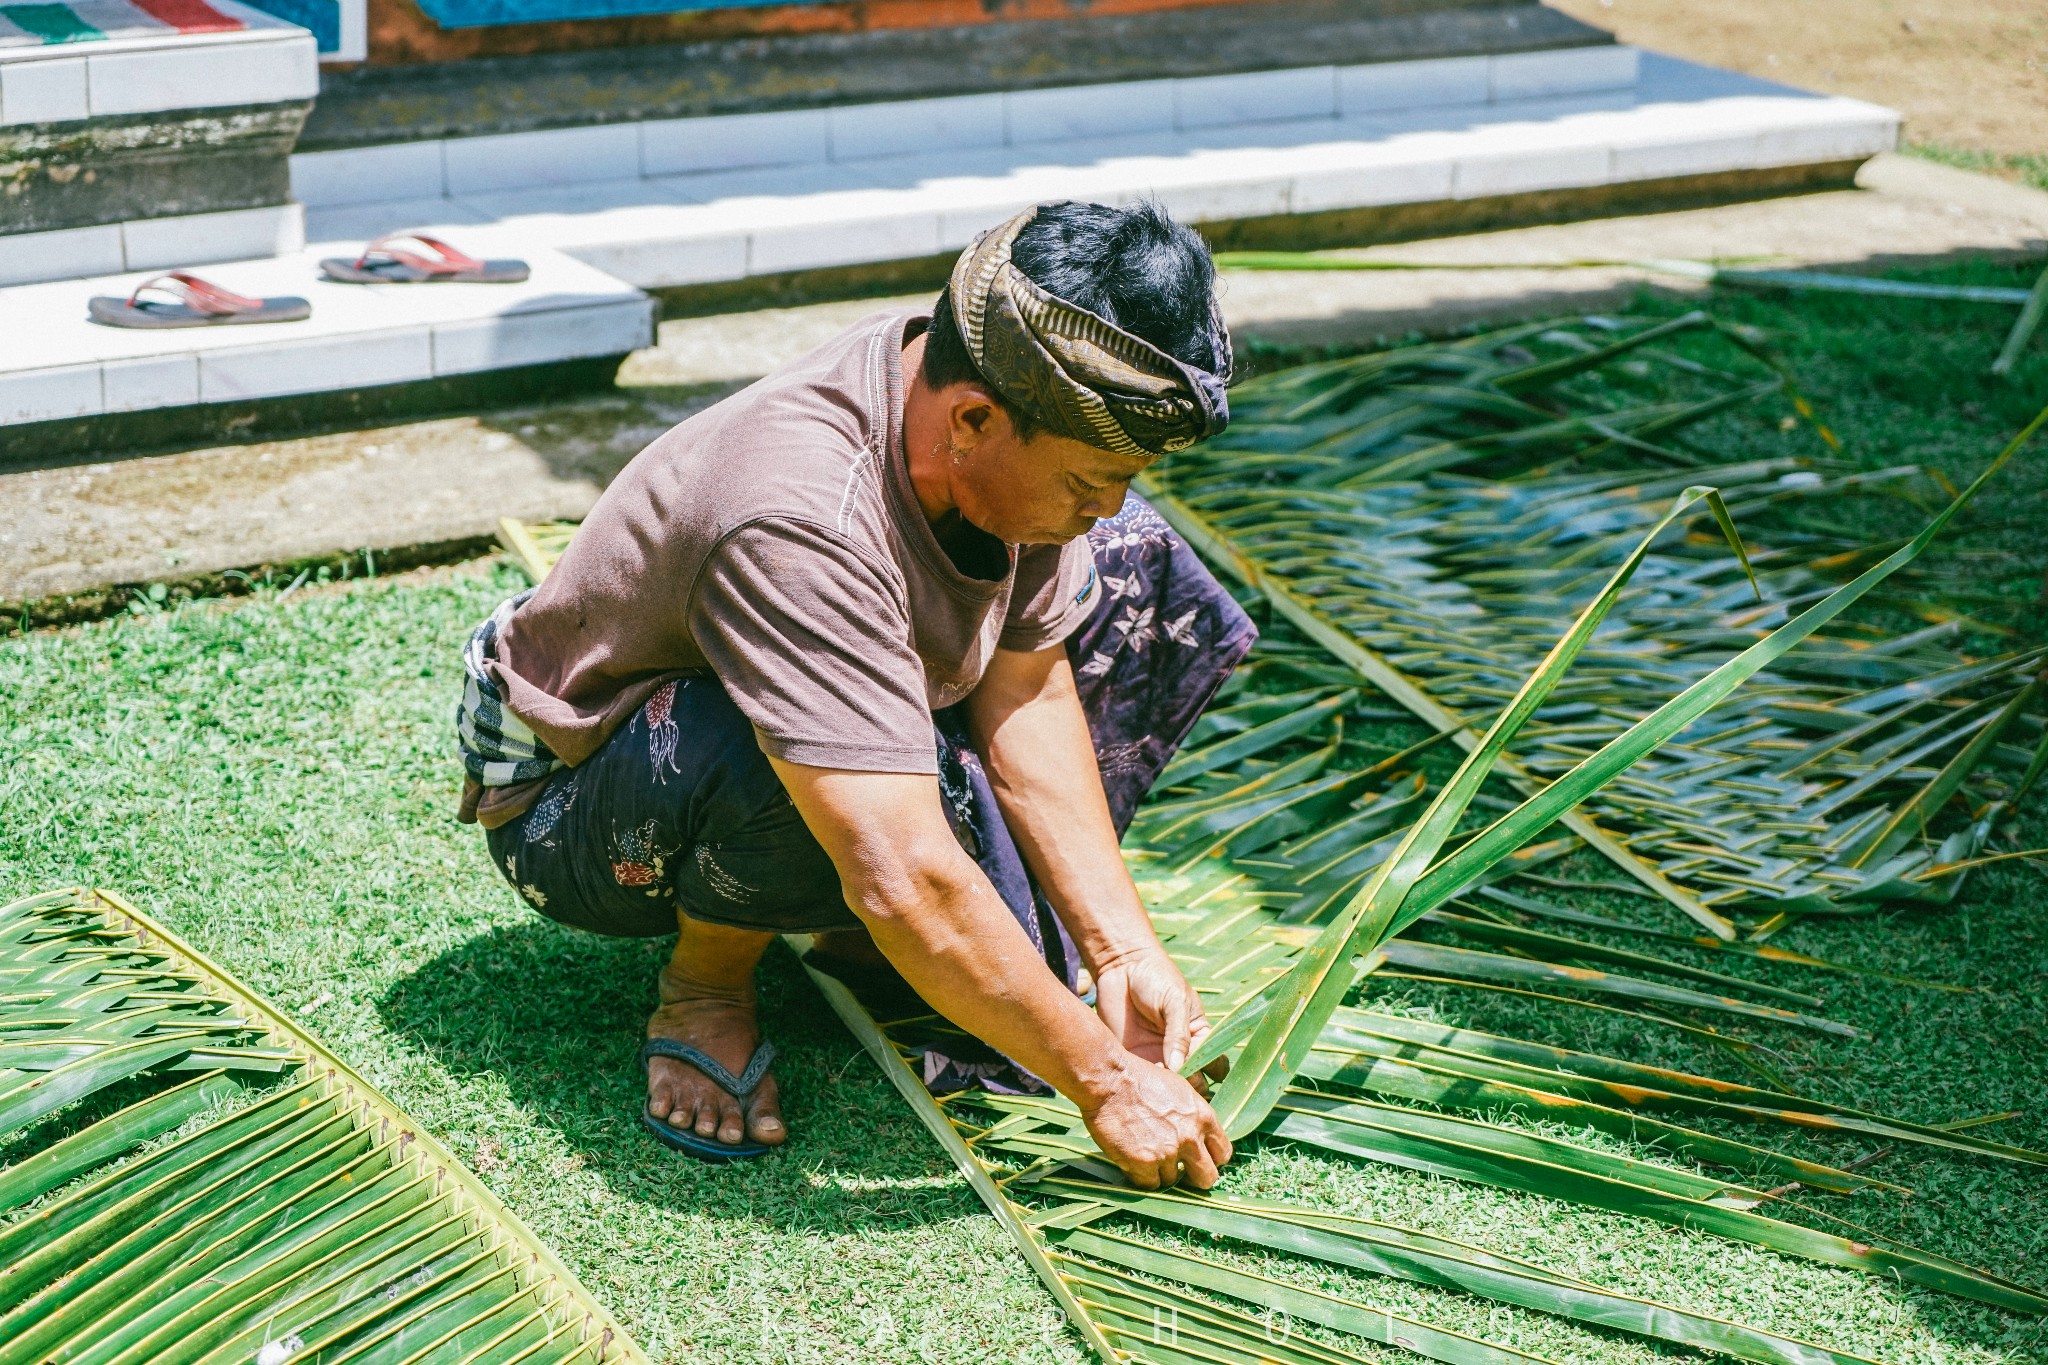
{"type": "Point", "coordinates": [1152, 1010]}
{"type": "Point", "coordinates": [1155, 1127]}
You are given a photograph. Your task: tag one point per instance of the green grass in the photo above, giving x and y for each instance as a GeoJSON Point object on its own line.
{"type": "Point", "coordinates": [275, 778]}
{"type": "Point", "coordinates": [2028, 169]}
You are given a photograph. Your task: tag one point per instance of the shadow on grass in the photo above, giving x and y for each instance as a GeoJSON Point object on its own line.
{"type": "Point", "coordinates": [556, 1016]}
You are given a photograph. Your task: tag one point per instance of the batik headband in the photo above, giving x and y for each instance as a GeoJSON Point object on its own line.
{"type": "Point", "coordinates": [1080, 376]}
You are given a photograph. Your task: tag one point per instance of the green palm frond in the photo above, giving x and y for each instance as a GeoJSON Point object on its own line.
{"type": "Point", "coordinates": [1434, 546]}
{"type": "Point", "coordinates": [1423, 525]}
{"type": "Point", "coordinates": [187, 1176]}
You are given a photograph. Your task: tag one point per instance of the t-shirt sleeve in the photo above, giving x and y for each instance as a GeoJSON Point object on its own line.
{"type": "Point", "coordinates": [811, 642]}
{"type": "Point", "coordinates": [1055, 592]}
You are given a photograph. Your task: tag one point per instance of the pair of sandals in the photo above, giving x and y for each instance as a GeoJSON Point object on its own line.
{"type": "Point", "coordinates": [182, 299]}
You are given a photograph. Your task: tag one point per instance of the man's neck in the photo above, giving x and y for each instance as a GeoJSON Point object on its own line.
{"type": "Point", "coordinates": [924, 440]}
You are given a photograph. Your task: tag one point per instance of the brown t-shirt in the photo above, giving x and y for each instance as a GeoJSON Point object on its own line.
{"type": "Point", "coordinates": [776, 539]}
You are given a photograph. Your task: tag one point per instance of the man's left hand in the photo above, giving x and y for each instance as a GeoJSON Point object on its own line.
{"type": "Point", "coordinates": [1153, 1011]}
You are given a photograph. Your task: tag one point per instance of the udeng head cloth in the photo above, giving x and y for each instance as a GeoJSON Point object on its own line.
{"type": "Point", "coordinates": [1076, 374]}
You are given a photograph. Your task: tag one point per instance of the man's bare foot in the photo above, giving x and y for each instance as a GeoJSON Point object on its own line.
{"type": "Point", "coordinates": [719, 1021]}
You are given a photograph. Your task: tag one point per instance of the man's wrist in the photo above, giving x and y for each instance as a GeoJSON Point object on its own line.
{"type": "Point", "coordinates": [1103, 955]}
{"type": "Point", "coordinates": [1101, 1077]}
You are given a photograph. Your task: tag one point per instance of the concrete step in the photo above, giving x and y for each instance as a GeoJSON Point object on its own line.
{"type": "Point", "coordinates": [111, 58]}
{"type": "Point", "coordinates": [134, 141]}
{"type": "Point", "coordinates": [1267, 148]}
{"type": "Point", "coordinates": [65, 366]}
{"type": "Point", "coordinates": [1266, 145]}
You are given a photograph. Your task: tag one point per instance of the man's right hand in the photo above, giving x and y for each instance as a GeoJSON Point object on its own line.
{"type": "Point", "coordinates": [1154, 1126]}
{"type": "Point", "coordinates": [933, 914]}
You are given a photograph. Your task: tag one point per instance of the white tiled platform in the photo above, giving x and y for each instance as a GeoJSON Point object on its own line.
{"type": "Point", "coordinates": [600, 211]}
{"type": "Point", "coordinates": [54, 363]}
{"type": "Point", "coordinates": [268, 62]}
{"type": "Point", "coordinates": [824, 210]}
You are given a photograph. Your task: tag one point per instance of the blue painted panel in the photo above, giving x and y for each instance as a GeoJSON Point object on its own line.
{"type": "Point", "coordinates": [322, 17]}
{"type": "Point", "coordinates": [484, 13]}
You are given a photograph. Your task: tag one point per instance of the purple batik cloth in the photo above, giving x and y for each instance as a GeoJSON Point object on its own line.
{"type": "Point", "coordinates": [1164, 636]}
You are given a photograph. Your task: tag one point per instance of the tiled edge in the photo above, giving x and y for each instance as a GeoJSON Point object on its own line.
{"type": "Point", "coordinates": [1663, 158]}
{"type": "Point", "coordinates": [268, 368]}
{"type": "Point", "coordinates": [1485, 173]}
{"type": "Point", "coordinates": [67, 253]}
{"type": "Point", "coordinates": [1849, 130]}
{"type": "Point", "coordinates": [899, 236]}
{"type": "Point", "coordinates": [514, 339]}
{"type": "Point", "coordinates": [158, 381]}
{"type": "Point", "coordinates": [202, 75]}
{"type": "Point", "coordinates": [1084, 111]}
{"type": "Point", "coordinates": [729, 142]}
{"type": "Point", "coordinates": [358, 223]}
{"type": "Point", "coordinates": [667, 263]}
{"type": "Point", "coordinates": [856, 132]}
{"type": "Point", "coordinates": [1384, 87]}
{"type": "Point", "coordinates": [208, 238]}
{"type": "Point", "coordinates": [559, 156]}
{"type": "Point", "coordinates": [43, 92]}
{"type": "Point", "coordinates": [1585, 148]}
{"type": "Point", "coordinates": [849, 227]}
{"type": "Point", "coordinates": [1564, 71]}
{"type": "Point", "coordinates": [47, 395]}
{"type": "Point", "coordinates": [368, 175]}
{"type": "Point", "coordinates": [1372, 184]}
{"type": "Point", "coordinates": [896, 127]}
{"type": "Point", "coordinates": [316, 365]}
{"type": "Point", "coordinates": [1308, 92]}
{"type": "Point", "coordinates": [151, 244]}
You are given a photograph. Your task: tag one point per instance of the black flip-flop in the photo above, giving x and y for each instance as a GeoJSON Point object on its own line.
{"type": "Point", "coordinates": [198, 303]}
{"type": "Point", "coordinates": [384, 262]}
{"type": "Point", "coordinates": [687, 1140]}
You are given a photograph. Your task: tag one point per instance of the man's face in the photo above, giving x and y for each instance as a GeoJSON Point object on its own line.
{"type": "Point", "coordinates": [1044, 491]}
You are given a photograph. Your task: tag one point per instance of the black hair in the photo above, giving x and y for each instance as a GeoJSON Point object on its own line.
{"type": "Point", "coordinates": [1133, 267]}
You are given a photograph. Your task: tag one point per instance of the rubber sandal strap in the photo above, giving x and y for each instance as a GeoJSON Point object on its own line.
{"type": "Point", "coordinates": [201, 296]}
{"type": "Point", "coordinates": [446, 260]}
{"type": "Point", "coordinates": [739, 1087]}
{"type": "Point", "coordinates": [688, 1142]}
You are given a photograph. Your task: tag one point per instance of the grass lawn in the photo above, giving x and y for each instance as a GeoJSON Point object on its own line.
{"type": "Point", "coordinates": [274, 777]}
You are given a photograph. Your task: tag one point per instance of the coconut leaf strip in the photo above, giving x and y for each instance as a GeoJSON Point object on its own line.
{"type": "Point", "coordinates": [209, 1217]}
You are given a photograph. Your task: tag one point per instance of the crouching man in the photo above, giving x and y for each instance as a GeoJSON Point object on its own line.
{"type": "Point", "coordinates": [879, 644]}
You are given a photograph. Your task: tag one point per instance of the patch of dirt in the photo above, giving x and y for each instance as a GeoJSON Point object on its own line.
{"type": "Point", "coordinates": [1968, 74]}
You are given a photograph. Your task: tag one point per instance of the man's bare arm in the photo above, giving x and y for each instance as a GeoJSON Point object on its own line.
{"type": "Point", "coordinates": [1029, 728]}
{"type": "Point", "coordinates": [935, 916]}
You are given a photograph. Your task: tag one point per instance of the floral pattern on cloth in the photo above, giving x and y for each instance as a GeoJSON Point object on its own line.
{"type": "Point", "coordinates": [662, 731]}
{"type": "Point", "coordinates": [1149, 661]}
{"type": "Point", "coordinates": [639, 859]}
{"type": "Point", "coordinates": [1165, 636]}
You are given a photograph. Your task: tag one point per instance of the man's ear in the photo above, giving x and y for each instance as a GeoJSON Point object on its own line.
{"type": "Point", "coordinates": [975, 411]}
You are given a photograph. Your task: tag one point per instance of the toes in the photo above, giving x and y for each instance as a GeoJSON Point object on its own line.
{"type": "Point", "coordinates": [764, 1115]}
{"type": "Point", "coordinates": [661, 1098]}
{"type": "Point", "coordinates": [707, 1118]}
{"type": "Point", "coordinates": [732, 1128]}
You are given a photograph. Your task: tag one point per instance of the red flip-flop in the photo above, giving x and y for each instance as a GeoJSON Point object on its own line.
{"type": "Point", "coordinates": [196, 303]}
{"type": "Point", "coordinates": [383, 262]}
